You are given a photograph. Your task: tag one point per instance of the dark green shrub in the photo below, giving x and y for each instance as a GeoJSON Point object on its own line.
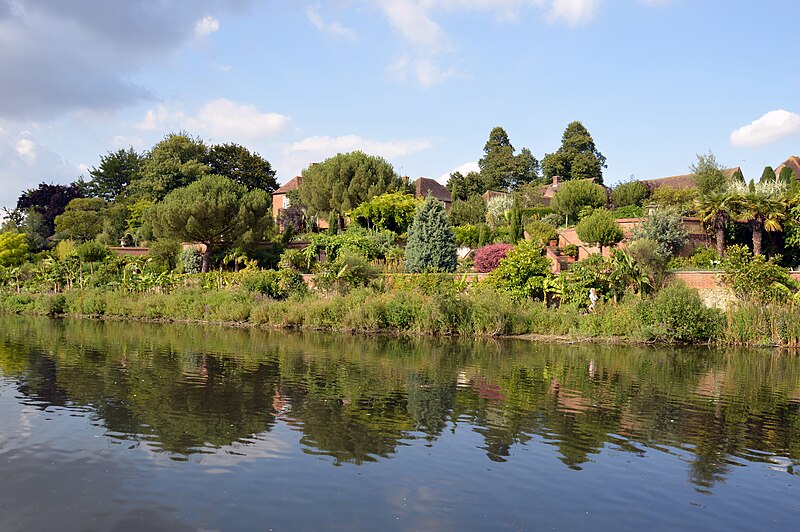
{"type": "Point", "coordinates": [191, 260]}
{"type": "Point", "coordinates": [755, 278]}
{"type": "Point", "coordinates": [677, 313]}
{"type": "Point", "coordinates": [431, 242]}
{"type": "Point", "coordinates": [541, 233]}
{"type": "Point", "coordinates": [275, 284]}
{"type": "Point", "coordinates": [631, 193]}
{"type": "Point", "coordinates": [165, 253]}
{"type": "Point", "coordinates": [347, 271]}
{"type": "Point", "coordinates": [521, 273]}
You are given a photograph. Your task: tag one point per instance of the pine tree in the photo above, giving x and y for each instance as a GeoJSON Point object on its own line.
{"type": "Point", "coordinates": [577, 158]}
{"type": "Point", "coordinates": [517, 230]}
{"type": "Point", "coordinates": [768, 175]}
{"type": "Point", "coordinates": [431, 242]}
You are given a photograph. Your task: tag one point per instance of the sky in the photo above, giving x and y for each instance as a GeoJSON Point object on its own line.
{"type": "Point", "coordinates": [418, 82]}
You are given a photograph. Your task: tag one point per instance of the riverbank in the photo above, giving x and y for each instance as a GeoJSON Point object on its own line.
{"type": "Point", "coordinates": [675, 315]}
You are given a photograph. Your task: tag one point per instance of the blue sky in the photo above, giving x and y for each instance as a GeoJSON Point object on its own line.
{"type": "Point", "coordinates": [420, 82]}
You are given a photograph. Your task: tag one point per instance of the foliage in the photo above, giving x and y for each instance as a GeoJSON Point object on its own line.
{"type": "Point", "coordinates": [271, 283]}
{"type": "Point", "coordinates": [241, 165]}
{"type": "Point", "coordinates": [577, 158]}
{"type": "Point", "coordinates": [522, 272]}
{"type": "Point", "coordinates": [572, 196]}
{"type": "Point", "coordinates": [214, 211]}
{"type": "Point", "coordinates": [680, 198]}
{"type": "Point", "coordinates": [627, 275]}
{"type": "Point", "coordinates": [600, 228]}
{"type": "Point", "coordinates": [629, 211]}
{"type": "Point", "coordinates": [13, 249]}
{"type": "Point", "coordinates": [787, 175]}
{"type": "Point", "coordinates": [665, 226]}
{"type": "Point", "coordinates": [755, 278]}
{"type": "Point", "coordinates": [65, 249]}
{"type": "Point", "coordinates": [82, 219]}
{"type": "Point", "coordinates": [191, 260]}
{"type": "Point", "coordinates": [541, 232]}
{"type": "Point", "coordinates": [763, 206]}
{"type": "Point", "coordinates": [630, 193]}
{"type": "Point", "coordinates": [49, 200]}
{"type": "Point", "coordinates": [391, 211]}
{"type": "Point", "coordinates": [497, 209]}
{"type": "Point", "coordinates": [592, 272]}
{"type": "Point", "coordinates": [294, 259]}
{"type": "Point", "coordinates": [768, 175]}
{"type": "Point", "coordinates": [92, 251]}
{"type": "Point", "coordinates": [716, 209]}
{"type": "Point", "coordinates": [470, 235]}
{"type": "Point", "coordinates": [651, 260]}
{"type": "Point", "coordinates": [342, 182]}
{"type": "Point", "coordinates": [516, 229]}
{"type": "Point", "coordinates": [502, 170]}
{"type": "Point", "coordinates": [471, 211]}
{"type": "Point", "coordinates": [347, 271]}
{"type": "Point", "coordinates": [488, 257]}
{"type": "Point", "coordinates": [463, 187]}
{"type": "Point", "coordinates": [117, 170]}
{"type": "Point", "coordinates": [165, 253]}
{"type": "Point", "coordinates": [570, 250]}
{"type": "Point", "coordinates": [677, 313]}
{"type": "Point", "coordinates": [431, 242]}
{"type": "Point", "coordinates": [708, 174]}
{"type": "Point", "coordinates": [173, 163]}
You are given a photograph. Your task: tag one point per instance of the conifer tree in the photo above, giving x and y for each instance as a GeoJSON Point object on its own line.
{"type": "Point", "coordinates": [577, 158]}
{"type": "Point", "coordinates": [431, 242]}
{"type": "Point", "coordinates": [768, 175]}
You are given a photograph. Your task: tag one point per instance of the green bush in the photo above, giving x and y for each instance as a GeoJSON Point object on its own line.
{"type": "Point", "coordinates": [632, 193]}
{"type": "Point", "coordinates": [754, 277]}
{"type": "Point", "coordinates": [191, 260]}
{"type": "Point", "coordinates": [541, 232]}
{"type": "Point", "coordinates": [347, 271]}
{"type": "Point", "coordinates": [275, 284]}
{"type": "Point", "coordinates": [677, 313]}
{"type": "Point", "coordinates": [521, 273]}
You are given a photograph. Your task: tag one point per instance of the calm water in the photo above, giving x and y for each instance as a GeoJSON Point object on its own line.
{"type": "Point", "coordinates": [112, 426]}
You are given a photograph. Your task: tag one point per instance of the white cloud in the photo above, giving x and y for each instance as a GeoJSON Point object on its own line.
{"type": "Point", "coordinates": [122, 141]}
{"type": "Point", "coordinates": [465, 168]}
{"type": "Point", "coordinates": [205, 27]}
{"type": "Point", "coordinates": [332, 28]}
{"type": "Point", "coordinates": [82, 168]}
{"type": "Point", "coordinates": [26, 150]}
{"type": "Point", "coordinates": [767, 129]}
{"type": "Point", "coordinates": [327, 146]}
{"type": "Point", "coordinates": [573, 12]}
{"type": "Point", "coordinates": [220, 118]}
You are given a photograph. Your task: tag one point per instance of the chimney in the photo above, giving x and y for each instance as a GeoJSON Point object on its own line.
{"type": "Point", "coordinates": [556, 180]}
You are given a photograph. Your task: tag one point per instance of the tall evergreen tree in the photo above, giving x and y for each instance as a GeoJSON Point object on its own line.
{"type": "Point", "coordinates": [577, 158]}
{"type": "Point", "coordinates": [431, 242]}
{"type": "Point", "coordinates": [708, 174]}
{"type": "Point", "coordinates": [464, 187]}
{"type": "Point", "coordinates": [500, 168]}
{"type": "Point", "coordinates": [768, 175]}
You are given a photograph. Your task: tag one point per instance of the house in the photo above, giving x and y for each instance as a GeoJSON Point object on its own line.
{"type": "Point", "coordinates": [549, 191]}
{"type": "Point", "coordinates": [424, 187]}
{"type": "Point", "coordinates": [792, 162]}
{"type": "Point", "coordinates": [280, 200]}
{"type": "Point", "coordinates": [489, 194]}
{"type": "Point", "coordinates": [682, 181]}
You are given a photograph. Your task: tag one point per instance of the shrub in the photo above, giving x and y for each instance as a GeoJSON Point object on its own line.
{"type": "Point", "coordinates": [570, 250]}
{"type": "Point", "coordinates": [470, 235]}
{"type": "Point", "coordinates": [599, 228]}
{"type": "Point", "coordinates": [13, 249]}
{"type": "Point", "coordinates": [191, 260]}
{"type": "Point", "coordinates": [677, 313]}
{"type": "Point", "coordinates": [497, 208]}
{"type": "Point", "coordinates": [648, 256]}
{"type": "Point", "coordinates": [680, 198]}
{"type": "Point", "coordinates": [469, 212]}
{"type": "Point", "coordinates": [294, 259]}
{"type": "Point", "coordinates": [633, 193]}
{"type": "Point", "coordinates": [753, 277]}
{"type": "Point", "coordinates": [665, 226]}
{"type": "Point", "coordinates": [91, 251]}
{"type": "Point", "coordinates": [541, 232]}
{"type": "Point", "coordinates": [165, 253]}
{"type": "Point", "coordinates": [64, 249]}
{"type": "Point", "coordinates": [521, 273]}
{"type": "Point", "coordinates": [572, 196]}
{"type": "Point", "coordinates": [593, 272]}
{"type": "Point", "coordinates": [275, 284]}
{"type": "Point", "coordinates": [628, 211]}
{"type": "Point", "coordinates": [347, 271]}
{"type": "Point", "coordinates": [488, 257]}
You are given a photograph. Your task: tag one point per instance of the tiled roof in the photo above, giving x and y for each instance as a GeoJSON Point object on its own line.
{"type": "Point", "coordinates": [292, 184]}
{"type": "Point", "coordinates": [792, 162]}
{"type": "Point", "coordinates": [425, 186]}
{"type": "Point", "coordinates": [681, 181]}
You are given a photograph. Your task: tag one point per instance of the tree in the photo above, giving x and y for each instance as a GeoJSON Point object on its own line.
{"type": "Point", "coordinates": [465, 186]}
{"type": "Point", "coordinates": [665, 226]}
{"type": "Point", "coordinates": [715, 210]}
{"type": "Point", "coordinates": [175, 162]}
{"type": "Point", "coordinates": [762, 206]}
{"type": "Point", "coordinates": [431, 242]}
{"type": "Point", "coordinates": [572, 196]}
{"type": "Point", "coordinates": [342, 182]}
{"type": "Point", "coordinates": [497, 209]}
{"type": "Point", "coordinates": [469, 212]}
{"type": "Point", "coordinates": [243, 166]}
{"type": "Point", "coordinates": [630, 193]}
{"type": "Point", "coordinates": [599, 228]}
{"type": "Point", "coordinates": [13, 249]}
{"type": "Point", "coordinates": [393, 211]}
{"type": "Point", "coordinates": [500, 168]}
{"type": "Point", "coordinates": [517, 230]}
{"type": "Point", "coordinates": [49, 200]}
{"type": "Point", "coordinates": [708, 174]}
{"type": "Point", "coordinates": [787, 175]}
{"type": "Point", "coordinates": [577, 158]}
{"type": "Point", "coordinates": [680, 198]}
{"type": "Point", "coordinates": [737, 176]}
{"type": "Point", "coordinates": [117, 170]}
{"type": "Point", "coordinates": [83, 219]}
{"type": "Point", "coordinates": [214, 211]}
{"type": "Point", "coordinates": [768, 175]}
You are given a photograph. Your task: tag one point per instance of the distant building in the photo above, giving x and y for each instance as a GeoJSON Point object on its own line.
{"type": "Point", "coordinates": [424, 187]}
{"type": "Point", "coordinates": [682, 181]}
{"type": "Point", "coordinates": [489, 194]}
{"type": "Point", "coordinates": [792, 162]}
{"type": "Point", "coordinates": [550, 190]}
{"type": "Point", "coordinates": [280, 200]}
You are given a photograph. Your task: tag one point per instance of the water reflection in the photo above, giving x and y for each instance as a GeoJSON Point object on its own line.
{"type": "Point", "coordinates": [183, 390]}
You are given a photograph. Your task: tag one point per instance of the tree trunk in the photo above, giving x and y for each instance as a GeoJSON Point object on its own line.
{"type": "Point", "coordinates": [720, 241]}
{"type": "Point", "coordinates": [206, 259]}
{"type": "Point", "coordinates": [758, 233]}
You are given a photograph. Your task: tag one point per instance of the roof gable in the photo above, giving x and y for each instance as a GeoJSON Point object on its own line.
{"type": "Point", "coordinates": [292, 184]}
{"type": "Point", "coordinates": [424, 187]}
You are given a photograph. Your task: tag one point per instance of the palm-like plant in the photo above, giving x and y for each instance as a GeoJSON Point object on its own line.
{"type": "Point", "coordinates": [627, 274]}
{"type": "Point", "coordinates": [762, 206]}
{"type": "Point", "coordinates": [715, 209]}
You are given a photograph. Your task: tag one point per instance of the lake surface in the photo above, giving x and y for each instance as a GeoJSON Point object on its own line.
{"type": "Point", "coordinates": [127, 426]}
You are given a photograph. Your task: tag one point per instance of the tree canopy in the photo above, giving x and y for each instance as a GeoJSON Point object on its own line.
{"type": "Point", "coordinates": [393, 211]}
{"type": "Point", "coordinates": [500, 168]}
{"type": "Point", "coordinates": [708, 174]}
{"type": "Point", "coordinates": [572, 196]}
{"type": "Point", "coordinates": [13, 249]}
{"type": "Point", "coordinates": [214, 211]}
{"type": "Point", "coordinates": [174, 162]}
{"type": "Point", "coordinates": [342, 182]}
{"type": "Point", "coordinates": [243, 166]}
{"type": "Point", "coordinates": [465, 186]}
{"type": "Point", "coordinates": [431, 242]}
{"type": "Point", "coordinates": [599, 228]}
{"type": "Point", "coordinates": [577, 158]}
{"type": "Point", "coordinates": [83, 219]}
{"type": "Point", "coordinates": [116, 171]}
{"type": "Point", "coordinates": [49, 200]}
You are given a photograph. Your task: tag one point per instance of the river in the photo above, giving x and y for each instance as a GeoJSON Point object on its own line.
{"type": "Point", "coordinates": [130, 426]}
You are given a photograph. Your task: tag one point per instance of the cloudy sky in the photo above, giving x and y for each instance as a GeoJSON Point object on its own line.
{"type": "Point", "coordinates": [420, 82]}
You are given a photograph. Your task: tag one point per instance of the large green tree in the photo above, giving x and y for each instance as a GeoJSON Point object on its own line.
{"type": "Point", "coordinates": [174, 162]}
{"type": "Point", "coordinates": [715, 210]}
{"type": "Point", "coordinates": [708, 174]}
{"type": "Point", "coordinates": [577, 158]}
{"type": "Point", "coordinates": [83, 219]}
{"type": "Point", "coordinates": [243, 166]}
{"type": "Point", "coordinates": [500, 168]}
{"type": "Point", "coordinates": [762, 206]}
{"type": "Point", "coordinates": [572, 196]}
{"type": "Point", "coordinates": [463, 187]}
{"type": "Point", "coordinates": [116, 171]}
{"type": "Point", "coordinates": [342, 182]}
{"type": "Point", "coordinates": [49, 200]}
{"type": "Point", "coordinates": [431, 242]}
{"type": "Point", "coordinates": [214, 211]}
{"type": "Point", "coordinates": [599, 228]}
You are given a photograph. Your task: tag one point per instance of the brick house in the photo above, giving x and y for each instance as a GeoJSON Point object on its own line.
{"type": "Point", "coordinates": [280, 201]}
{"type": "Point", "coordinates": [424, 187]}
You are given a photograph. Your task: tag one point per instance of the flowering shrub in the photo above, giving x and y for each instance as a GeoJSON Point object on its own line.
{"type": "Point", "coordinates": [488, 258]}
